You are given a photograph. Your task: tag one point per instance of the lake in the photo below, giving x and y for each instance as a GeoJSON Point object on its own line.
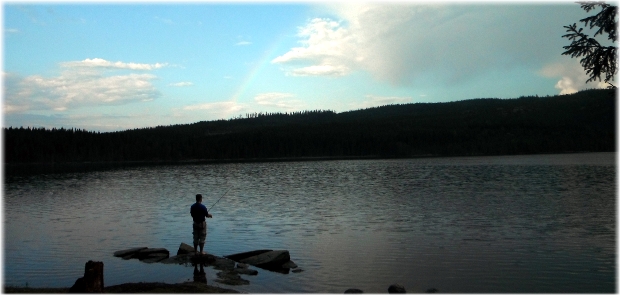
{"type": "Point", "coordinates": [535, 223]}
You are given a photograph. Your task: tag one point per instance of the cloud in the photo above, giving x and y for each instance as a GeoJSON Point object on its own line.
{"type": "Point", "coordinates": [226, 107]}
{"type": "Point", "coordinates": [11, 31]}
{"type": "Point", "coordinates": [321, 70]}
{"type": "Point", "coordinates": [375, 101]}
{"type": "Point", "coordinates": [572, 76]}
{"type": "Point", "coordinates": [181, 84]}
{"type": "Point", "coordinates": [281, 100]}
{"type": "Point", "coordinates": [76, 87]}
{"type": "Point", "coordinates": [102, 63]}
{"type": "Point", "coordinates": [243, 43]}
{"type": "Point", "coordinates": [402, 42]}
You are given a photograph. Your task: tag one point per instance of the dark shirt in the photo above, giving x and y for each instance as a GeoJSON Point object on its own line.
{"type": "Point", "coordinates": [199, 212]}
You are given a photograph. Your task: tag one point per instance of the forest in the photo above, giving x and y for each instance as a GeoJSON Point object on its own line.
{"type": "Point", "coordinates": [581, 122]}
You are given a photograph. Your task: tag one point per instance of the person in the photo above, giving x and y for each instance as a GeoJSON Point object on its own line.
{"type": "Point", "coordinates": [199, 212]}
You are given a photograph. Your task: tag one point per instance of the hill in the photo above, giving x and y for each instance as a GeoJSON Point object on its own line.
{"type": "Point", "coordinates": [580, 122]}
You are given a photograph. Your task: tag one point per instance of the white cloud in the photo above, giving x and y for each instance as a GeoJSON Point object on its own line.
{"type": "Point", "coordinates": [572, 77]}
{"type": "Point", "coordinates": [243, 43]}
{"type": "Point", "coordinates": [401, 42]}
{"type": "Point", "coordinates": [226, 107]}
{"type": "Point", "coordinates": [321, 70]}
{"type": "Point", "coordinates": [11, 31]}
{"type": "Point", "coordinates": [82, 85]}
{"type": "Point", "coordinates": [102, 63]}
{"type": "Point", "coordinates": [181, 84]}
{"type": "Point", "coordinates": [281, 100]}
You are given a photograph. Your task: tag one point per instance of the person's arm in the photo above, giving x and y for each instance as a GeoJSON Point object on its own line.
{"type": "Point", "coordinates": [208, 215]}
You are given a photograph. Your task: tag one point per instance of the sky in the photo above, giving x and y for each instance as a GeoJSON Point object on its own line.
{"type": "Point", "coordinates": [112, 66]}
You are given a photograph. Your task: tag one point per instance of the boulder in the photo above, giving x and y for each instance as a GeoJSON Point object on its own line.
{"type": "Point", "coordinates": [185, 249]}
{"type": "Point", "coordinates": [263, 258]}
{"type": "Point", "coordinates": [353, 291]}
{"type": "Point", "coordinates": [123, 253]}
{"type": "Point", "coordinates": [396, 288]}
{"type": "Point", "coordinates": [242, 265]}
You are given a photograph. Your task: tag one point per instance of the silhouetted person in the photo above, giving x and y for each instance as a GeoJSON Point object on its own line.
{"type": "Point", "coordinates": [199, 212]}
{"type": "Point", "coordinates": [199, 276]}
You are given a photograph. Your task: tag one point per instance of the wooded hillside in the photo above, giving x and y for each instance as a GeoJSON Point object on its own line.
{"type": "Point", "coordinates": [584, 121]}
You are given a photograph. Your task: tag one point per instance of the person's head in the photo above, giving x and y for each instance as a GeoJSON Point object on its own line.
{"type": "Point", "coordinates": [199, 198]}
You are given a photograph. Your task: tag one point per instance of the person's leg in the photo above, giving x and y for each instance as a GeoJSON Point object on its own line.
{"type": "Point", "coordinates": [202, 246]}
{"type": "Point", "coordinates": [196, 236]}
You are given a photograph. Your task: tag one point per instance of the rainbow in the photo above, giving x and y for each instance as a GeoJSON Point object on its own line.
{"type": "Point", "coordinates": [253, 73]}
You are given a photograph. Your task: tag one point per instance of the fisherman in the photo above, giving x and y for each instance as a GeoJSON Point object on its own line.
{"type": "Point", "coordinates": [199, 212]}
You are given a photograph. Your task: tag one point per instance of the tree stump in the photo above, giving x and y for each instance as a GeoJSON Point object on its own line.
{"type": "Point", "coordinates": [92, 281]}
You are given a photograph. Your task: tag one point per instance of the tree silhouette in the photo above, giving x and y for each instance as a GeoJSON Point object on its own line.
{"type": "Point", "coordinates": [597, 59]}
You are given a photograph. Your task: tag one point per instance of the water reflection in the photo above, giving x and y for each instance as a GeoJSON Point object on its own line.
{"type": "Point", "coordinates": [199, 275]}
{"type": "Point", "coordinates": [486, 224]}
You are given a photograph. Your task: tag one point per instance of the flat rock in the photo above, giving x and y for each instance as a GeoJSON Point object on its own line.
{"type": "Point", "coordinates": [297, 270]}
{"type": "Point", "coordinates": [353, 291]}
{"type": "Point", "coordinates": [246, 271]}
{"type": "Point", "coordinates": [123, 253]}
{"type": "Point", "coordinates": [268, 259]}
{"type": "Point", "coordinates": [242, 265]}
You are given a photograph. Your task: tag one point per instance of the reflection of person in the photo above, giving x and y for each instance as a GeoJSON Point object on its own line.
{"type": "Point", "coordinates": [199, 276]}
{"type": "Point", "coordinates": [199, 212]}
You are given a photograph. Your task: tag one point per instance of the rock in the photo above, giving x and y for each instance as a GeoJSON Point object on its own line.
{"type": "Point", "coordinates": [396, 288]}
{"type": "Point", "coordinates": [289, 264]}
{"type": "Point", "coordinates": [131, 251]}
{"type": "Point", "coordinates": [185, 249]}
{"type": "Point", "coordinates": [242, 265]}
{"type": "Point", "coordinates": [92, 281]}
{"type": "Point", "coordinates": [246, 271]}
{"type": "Point", "coordinates": [145, 253]}
{"type": "Point", "coordinates": [229, 277]}
{"type": "Point", "coordinates": [297, 270]}
{"type": "Point", "coordinates": [349, 291]}
{"type": "Point", "coordinates": [432, 290]}
{"type": "Point", "coordinates": [268, 259]}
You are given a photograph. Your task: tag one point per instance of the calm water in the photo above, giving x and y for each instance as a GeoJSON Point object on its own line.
{"type": "Point", "coordinates": [544, 223]}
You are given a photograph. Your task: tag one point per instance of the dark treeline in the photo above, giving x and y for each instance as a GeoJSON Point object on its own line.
{"type": "Point", "coordinates": [584, 121]}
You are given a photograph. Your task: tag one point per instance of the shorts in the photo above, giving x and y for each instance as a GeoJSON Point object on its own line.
{"type": "Point", "coordinates": [199, 232]}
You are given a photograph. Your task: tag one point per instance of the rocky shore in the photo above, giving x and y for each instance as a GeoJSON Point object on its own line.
{"type": "Point", "coordinates": [230, 266]}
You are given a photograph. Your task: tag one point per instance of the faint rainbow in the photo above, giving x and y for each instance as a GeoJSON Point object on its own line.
{"type": "Point", "coordinates": [251, 76]}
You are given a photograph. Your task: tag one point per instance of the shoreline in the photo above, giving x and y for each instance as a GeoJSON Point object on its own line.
{"type": "Point", "coordinates": [142, 287]}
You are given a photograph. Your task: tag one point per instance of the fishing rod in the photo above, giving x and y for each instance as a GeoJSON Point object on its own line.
{"type": "Point", "coordinates": [219, 199]}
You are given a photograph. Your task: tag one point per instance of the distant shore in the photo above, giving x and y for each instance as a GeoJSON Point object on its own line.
{"type": "Point", "coordinates": [188, 287]}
